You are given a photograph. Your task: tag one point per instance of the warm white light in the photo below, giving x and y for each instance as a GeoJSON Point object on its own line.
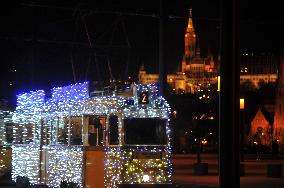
{"type": "Point", "coordinates": [219, 83]}
{"type": "Point", "coordinates": [146, 178]}
{"type": "Point", "coordinates": [242, 104]}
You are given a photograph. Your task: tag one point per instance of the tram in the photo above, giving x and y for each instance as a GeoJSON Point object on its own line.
{"type": "Point", "coordinates": [92, 139]}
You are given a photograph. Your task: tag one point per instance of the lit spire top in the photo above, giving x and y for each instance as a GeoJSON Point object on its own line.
{"type": "Point", "coordinates": [190, 24]}
{"type": "Point", "coordinates": [190, 12]}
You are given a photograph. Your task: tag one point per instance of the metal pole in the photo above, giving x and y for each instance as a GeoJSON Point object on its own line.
{"type": "Point", "coordinates": [162, 64]}
{"type": "Point", "coordinates": [97, 142]}
{"type": "Point", "coordinates": [40, 150]}
{"type": "Point", "coordinates": [57, 130]}
{"type": "Point", "coordinates": [242, 120]}
{"type": "Point", "coordinates": [69, 127]}
{"type": "Point", "coordinates": [229, 159]}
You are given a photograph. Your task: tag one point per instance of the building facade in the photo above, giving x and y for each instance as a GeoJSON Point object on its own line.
{"type": "Point", "coordinates": [279, 105]}
{"type": "Point", "coordinates": [268, 124]}
{"type": "Point", "coordinates": [258, 68]}
{"type": "Point", "coordinates": [198, 72]}
{"type": "Point", "coordinates": [261, 128]}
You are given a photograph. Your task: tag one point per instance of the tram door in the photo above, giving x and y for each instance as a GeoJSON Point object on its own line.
{"type": "Point", "coordinates": [95, 153]}
{"type": "Point", "coordinates": [97, 131]}
{"type": "Point", "coordinates": [101, 134]}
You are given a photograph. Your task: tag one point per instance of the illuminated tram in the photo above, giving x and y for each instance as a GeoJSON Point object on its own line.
{"type": "Point", "coordinates": [93, 141]}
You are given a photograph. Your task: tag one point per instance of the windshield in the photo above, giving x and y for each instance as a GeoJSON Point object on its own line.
{"type": "Point", "coordinates": [145, 131]}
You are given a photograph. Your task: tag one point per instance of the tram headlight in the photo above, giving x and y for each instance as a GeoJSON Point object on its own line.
{"type": "Point", "coordinates": [146, 178]}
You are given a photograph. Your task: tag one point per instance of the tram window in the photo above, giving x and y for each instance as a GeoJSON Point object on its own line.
{"type": "Point", "coordinates": [9, 133]}
{"type": "Point", "coordinates": [18, 130]}
{"type": "Point", "coordinates": [62, 131]}
{"type": "Point", "coordinates": [28, 133]}
{"type": "Point", "coordinates": [145, 131]}
{"type": "Point", "coordinates": [113, 130]}
{"type": "Point", "coordinates": [75, 130]}
{"type": "Point", "coordinates": [97, 134]}
{"type": "Point", "coordinates": [24, 133]}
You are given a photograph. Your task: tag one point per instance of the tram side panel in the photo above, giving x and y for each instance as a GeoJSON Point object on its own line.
{"type": "Point", "coordinates": [25, 162]}
{"type": "Point", "coordinates": [5, 159]}
{"type": "Point", "coordinates": [94, 167]}
{"type": "Point", "coordinates": [65, 163]}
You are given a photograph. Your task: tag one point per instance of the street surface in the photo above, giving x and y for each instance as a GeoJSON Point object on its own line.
{"type": "Point", "coordinates": [255, 172]}
{"type": "Point", "coordinates": [183, 177]}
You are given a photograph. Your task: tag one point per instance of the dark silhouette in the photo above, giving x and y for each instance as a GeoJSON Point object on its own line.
{"type": "Point", "coordinates": [275, 148]}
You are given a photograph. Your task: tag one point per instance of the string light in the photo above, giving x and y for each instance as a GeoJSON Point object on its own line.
{"type": "Point", "coordinates": [25, 162]}
{"type": "Point", "coordinates": [66, 163]}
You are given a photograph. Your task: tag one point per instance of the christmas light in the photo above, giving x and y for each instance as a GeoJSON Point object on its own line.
{"type": "Point", "coordinates": [65, 163]}
{"type": "Point", "coordinates": [25, 162]}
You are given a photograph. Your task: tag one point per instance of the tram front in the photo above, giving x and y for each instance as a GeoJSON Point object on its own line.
{"type": "Point", "coordinates": [143, 153]}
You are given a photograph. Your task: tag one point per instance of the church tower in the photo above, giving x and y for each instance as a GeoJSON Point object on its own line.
{"type": "Point", "coordinates": [190, 42]}
{"type": "Point", "coordinates": [279, 104]}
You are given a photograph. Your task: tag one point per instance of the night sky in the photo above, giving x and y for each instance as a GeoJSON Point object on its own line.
{"type": "Point", "coordinates": [39, 40]}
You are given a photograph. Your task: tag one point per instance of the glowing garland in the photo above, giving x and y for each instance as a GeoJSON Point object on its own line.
{"type": "Point", "coordinates": [29, 107]}
{"type": "Point", "coordinates": [65, 162]}
{"type": "Point", "coordinates": [25, 162]}
{"type": "Point", "coordinates": [122, 168]}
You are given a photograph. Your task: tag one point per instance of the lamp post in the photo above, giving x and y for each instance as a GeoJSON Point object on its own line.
{"type": "Point", "coordinates": [242, 120]}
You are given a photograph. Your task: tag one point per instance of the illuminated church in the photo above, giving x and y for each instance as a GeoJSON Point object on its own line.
{"type": "Point", "coordinates": [196, 72]}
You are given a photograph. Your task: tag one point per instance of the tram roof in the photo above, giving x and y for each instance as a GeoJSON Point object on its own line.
{"type": "Point", "coordinates": [77, 99]}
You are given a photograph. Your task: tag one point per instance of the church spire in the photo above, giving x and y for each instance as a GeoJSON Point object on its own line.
{"type": "Point", "coordinates": [190, 37]}
{"type": "Point", "coordinates": [190, 12]}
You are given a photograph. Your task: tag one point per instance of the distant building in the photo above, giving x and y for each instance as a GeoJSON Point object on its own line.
{"type": "Point", "coordinates": [268, 123]}
{"type": "Point", "coordinates": [258, 68]}
{"type": "Point", "coordinates": [279, 105]}
{"type": "Point", "coordinates": [199, 72]}
{"type": "Point", "coordinates": [196, 72]}
{"type": "Point", "coordinates": [261, 128]}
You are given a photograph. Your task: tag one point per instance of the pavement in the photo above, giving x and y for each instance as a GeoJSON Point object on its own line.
{"type": "Point", "coordinates": [183, 176]}
{"type": "Point", "coordinates": [255, 172]}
